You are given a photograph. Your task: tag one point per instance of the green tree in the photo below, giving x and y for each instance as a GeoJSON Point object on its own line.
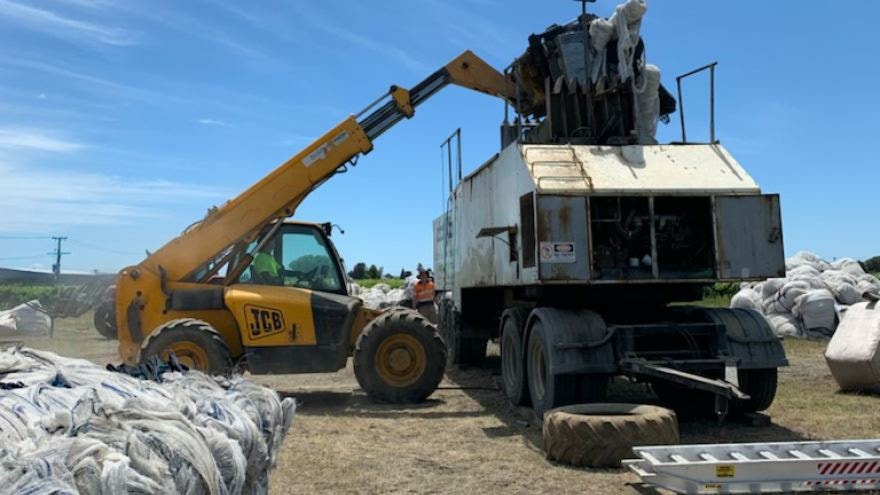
{"type": "Point", "coordinates": [359, 272]}
{"type": "Point", "coordinates": [374, 272]}
{"type": "Point", "coordinates": [872, 264]}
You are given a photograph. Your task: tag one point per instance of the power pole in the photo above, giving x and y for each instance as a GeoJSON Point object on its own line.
{"type": "Point", "coordinates": [56, 268]}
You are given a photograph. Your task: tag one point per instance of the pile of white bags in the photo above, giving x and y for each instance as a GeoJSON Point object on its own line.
{"type": "Point", "coordinates": [25, 320]}
{"type": "Point", "coordinates": [382, 295]}
{"type": "Point", "coordinates": [810, 300]}
{"type": "Point", "coordinates": [68, 426]}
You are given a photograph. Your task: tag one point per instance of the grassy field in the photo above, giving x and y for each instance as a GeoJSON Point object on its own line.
{"type": "Point", "coordinates": [466, 439]}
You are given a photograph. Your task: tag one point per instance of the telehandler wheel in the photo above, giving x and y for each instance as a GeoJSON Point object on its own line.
{"type": "Point", "coordinates": [399, 357]}
{"type": "Point", "coordinates": [513, 362]}
{"type": "Point", "coordinates": [105, 319]}
{"type": "Point", "coordinates": [546, 390]}
{"type": "Point", "coordinates": [195, 343]}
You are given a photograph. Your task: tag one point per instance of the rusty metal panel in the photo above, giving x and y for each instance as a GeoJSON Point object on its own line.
{"type": "Point", "coordinates": [748, 237]}
{"type": "Point", "coordinates": [706, 169]}
{"type": "Point", "coordinates": [563, 247]}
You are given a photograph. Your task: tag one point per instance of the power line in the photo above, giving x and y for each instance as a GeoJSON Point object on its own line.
{"type": "Point", "coordinates": [103, 249]}
{"type": "Point", "coordinates": [21, 238]}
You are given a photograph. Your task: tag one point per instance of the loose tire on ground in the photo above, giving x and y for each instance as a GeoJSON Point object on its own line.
{"type": "Point", "coordinates": [513, 362]}
{"type": "Point", "coordinates": [601, 435]}
{"type": "Point", "coordinates": [195, 343]}
{"type": "Point", "coordinates": [105, 319]}
{"type": "Point", "coordinates": [399, 357]}
{"type": "Point", "coordinates": [546, 390]}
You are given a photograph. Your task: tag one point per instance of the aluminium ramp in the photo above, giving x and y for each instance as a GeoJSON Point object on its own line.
{"type": "Point", "coordinates": [761, 467]}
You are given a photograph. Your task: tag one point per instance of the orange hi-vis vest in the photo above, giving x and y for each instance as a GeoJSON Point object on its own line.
{"type": "Point", "coordinates": [423, 291]}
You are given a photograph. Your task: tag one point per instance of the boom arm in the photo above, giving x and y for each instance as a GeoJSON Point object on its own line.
{"type": "Point", "coordinates": [278, 194]}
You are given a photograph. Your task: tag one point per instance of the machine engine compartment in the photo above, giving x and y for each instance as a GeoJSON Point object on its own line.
{"type": "Point", "coordinates": [643, 238]}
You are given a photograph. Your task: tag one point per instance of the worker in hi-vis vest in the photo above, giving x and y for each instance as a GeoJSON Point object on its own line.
{"type": "Point", "coordinates": [423, 295]}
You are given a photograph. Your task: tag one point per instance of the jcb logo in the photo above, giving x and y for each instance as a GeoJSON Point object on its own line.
{"type": "Point", "coordinates": [263, 322]}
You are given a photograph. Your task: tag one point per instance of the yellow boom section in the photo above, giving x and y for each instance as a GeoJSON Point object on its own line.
{"type": "Point", "coordinates": [278, 194]}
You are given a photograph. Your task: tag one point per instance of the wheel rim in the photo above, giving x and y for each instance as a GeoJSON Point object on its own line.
{"type": "Point", "coordinates": [400, 360]}
{"type": "Point", "coordinates": [508, 360]}
{"type": "Point", "coordinates": [537, 368]}
{"type": "Point", "coordinates": [188, 354]}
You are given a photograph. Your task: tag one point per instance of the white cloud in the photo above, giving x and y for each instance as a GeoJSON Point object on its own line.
{"type": "Point", "coordinates": [54, 24]}
{"type": "Point", "coordinates": [35, 139]}
{"type": "Point", "coordinates": [35, 199]}
{"type": "Point", "coordinates": [215, 122]}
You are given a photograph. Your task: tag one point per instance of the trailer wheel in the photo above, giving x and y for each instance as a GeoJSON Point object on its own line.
{"type": "Point", "coordinates": [399, 358]}
{"type": "Point", "coordinates": [760, 385]}
{"type": "Point", "coordinates": [601, 435]}
{"type": "Point", "coordinates": [545, 389]}
{"type": "Point", "coordinates": [459, 350]}
{"type": "Point", "coordinates": [195, 343]}
{"type": "Point", "coordinates": [105, 319]}
{"type": "Point", "coordinates": [513, 372]}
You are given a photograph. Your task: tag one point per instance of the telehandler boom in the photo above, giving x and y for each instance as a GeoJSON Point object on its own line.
{"type": "Point", "coordinates": [243, 287]}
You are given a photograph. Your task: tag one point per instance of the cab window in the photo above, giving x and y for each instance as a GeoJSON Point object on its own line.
{"type": "Point", "coordinates": [299, 257]}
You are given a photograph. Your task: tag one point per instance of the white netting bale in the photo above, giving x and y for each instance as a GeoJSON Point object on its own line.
{"type": "Point", "coordinates": [25, 319]}
{"type": "Point", "coordinates": [71, 423]}
{"type": "Point", "coordinates": [648, 99]}
{"type": "Point", "coordinates": [843, 285]}
{"type": "Point", "coordinates": [868, 283]}
{"type": "Point", "coordinates": [601, 33]}
{"type": "Point", "coordinates": [849, 266]}
{"type": "Point", "coordinates": [747, 299]}
{"type": "Point", "coordinates": [770, 287]}
{"type": "Point", "coordinates": [853, 354]}
{"type": "Point", "coordinates": [804, 258]}
{"type": "Point", "coordinates": [785, 298]}
{"type": "Point", "coordinates": [816, 309]}
{"type": "Point", "coordinates": [785, 325]}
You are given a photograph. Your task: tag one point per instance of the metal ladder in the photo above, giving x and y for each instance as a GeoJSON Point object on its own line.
{"type": "Point", "coordinates": [761, 467]}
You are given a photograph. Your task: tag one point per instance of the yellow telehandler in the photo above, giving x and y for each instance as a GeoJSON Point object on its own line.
{"type": "Point", "coordinates": [247, 288]}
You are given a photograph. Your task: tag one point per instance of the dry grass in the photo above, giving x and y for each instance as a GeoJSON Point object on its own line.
{"type": "Point", "coordinates": [467, 440]}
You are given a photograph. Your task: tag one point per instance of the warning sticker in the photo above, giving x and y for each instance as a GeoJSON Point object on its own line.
{"type": "Point", "coordinates": [558, 252]}
{"type": "Point", "coordinates": [712, 486]}
{"type": "Point", "coordinates": [321, 153]}
{"type": "Point", "coordinates": [725, 471]}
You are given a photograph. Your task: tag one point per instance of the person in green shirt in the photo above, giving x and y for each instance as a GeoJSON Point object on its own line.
{"type": "Point", "coordinates": [266, 269]}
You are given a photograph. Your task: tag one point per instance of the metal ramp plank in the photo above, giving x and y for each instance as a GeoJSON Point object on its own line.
{"type": "Point", "coordinates": [761, 468]}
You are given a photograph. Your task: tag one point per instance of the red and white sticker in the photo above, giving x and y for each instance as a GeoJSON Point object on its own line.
{"type": "Point", "coordinates": [558, 252]}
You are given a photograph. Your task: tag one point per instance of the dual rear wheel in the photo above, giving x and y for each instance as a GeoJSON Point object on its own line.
{"type": "Point", "coordinates": [528, 367]}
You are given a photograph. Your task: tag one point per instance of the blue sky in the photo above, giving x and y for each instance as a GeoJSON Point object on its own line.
{"type": "Point", "coordinates": [122, 121]}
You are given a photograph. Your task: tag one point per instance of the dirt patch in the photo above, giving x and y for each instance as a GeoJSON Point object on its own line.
{"type": "Point", "coordinates": [467, 440]}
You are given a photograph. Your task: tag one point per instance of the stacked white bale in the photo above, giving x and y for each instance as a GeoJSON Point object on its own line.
{"type": "Point", "coordinates": [68, 426]}
{"type": "Point", "coordinates": [853, 354]}
{"type": "Point", "coordinates": [809, 301]}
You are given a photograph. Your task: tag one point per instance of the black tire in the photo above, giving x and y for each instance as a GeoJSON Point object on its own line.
{"type": "Point", "coordinates": [466, 351]}
{"type": "Point", "coordinates": [546, 391]}
{"type": "Point", "coordinates": [195, 343]}
{"type": "Point", "coordinates": [760, 385]}
{"type": "Point", "coordinates": [601, 435]}
{"type": "Point", "coordinates": [513, 362]}
{"type": "Point", "coordinates": [105, 319]}
{"type": "Point", "coordinates": [399, 357]}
